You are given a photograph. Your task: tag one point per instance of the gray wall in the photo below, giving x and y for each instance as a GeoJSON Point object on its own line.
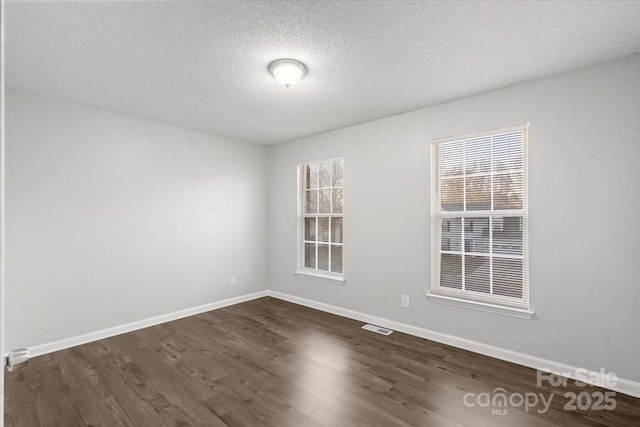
{"type": "Point", "coordinates": [584, 159]}
{"type": "Point", "coordinates": [112, 219]}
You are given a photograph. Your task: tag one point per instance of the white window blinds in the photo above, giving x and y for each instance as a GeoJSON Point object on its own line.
{"type": "Point", "coordinates": [479, 218]}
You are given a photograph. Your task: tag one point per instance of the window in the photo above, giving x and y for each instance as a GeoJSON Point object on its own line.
{"type": "Point", "coordinates": [320, 216]}
{"type": "Point", "coordinates": [479, 221]}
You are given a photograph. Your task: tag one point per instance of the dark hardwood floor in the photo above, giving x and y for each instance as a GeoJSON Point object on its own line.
{"type": "Point", "coordinates": [272, 363]}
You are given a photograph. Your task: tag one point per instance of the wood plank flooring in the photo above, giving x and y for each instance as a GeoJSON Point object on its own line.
{"type": "Point", "coordinates": [272, 363]}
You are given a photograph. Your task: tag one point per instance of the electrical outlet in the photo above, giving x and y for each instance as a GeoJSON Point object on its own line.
{"type": "Point", "coordinates": [405, 301]}
{"type": "Point", "coordinates": [232, 280]}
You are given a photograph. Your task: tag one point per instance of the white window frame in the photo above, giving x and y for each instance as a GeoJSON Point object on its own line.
{"type": "Point", "coordinates": [515, 307]}
{"type": "Point", "coordinates": [301, 270]}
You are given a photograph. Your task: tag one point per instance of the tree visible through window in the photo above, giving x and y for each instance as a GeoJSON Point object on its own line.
{"type": "Point", "coordinates": [479, 218]}
{"type": "Point", "coordinates": [321, 214]}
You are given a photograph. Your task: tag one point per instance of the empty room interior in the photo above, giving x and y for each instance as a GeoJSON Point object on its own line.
{"type": "Point", "coordinates": [320, 213]}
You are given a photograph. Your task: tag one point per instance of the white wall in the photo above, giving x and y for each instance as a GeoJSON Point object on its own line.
{"type": "Point", "coordinates": [584, 158]}
{"type": "Point", "coordinates": [112, 219]}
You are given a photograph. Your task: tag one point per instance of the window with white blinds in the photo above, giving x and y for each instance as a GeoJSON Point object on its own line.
{"type": "Point", "coordinates": [479, 218]}
{"type": "Point", "coordinates": [320, 215]}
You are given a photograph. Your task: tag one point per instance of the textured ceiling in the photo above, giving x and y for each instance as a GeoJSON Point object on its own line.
{"type": "Point", "coordinates": [203, 65]}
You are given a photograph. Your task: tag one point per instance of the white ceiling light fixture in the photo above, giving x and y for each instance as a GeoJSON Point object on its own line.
{"type": "Point", "coordinates": [287, 71]}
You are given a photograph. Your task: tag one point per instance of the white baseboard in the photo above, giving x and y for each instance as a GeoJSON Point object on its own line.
{"type": "Point", "coordinates": [41, 349]}
{"type": "Point", "coordinates": [628, 387]}
{"type": "Point", "coordinates": [624, 386]}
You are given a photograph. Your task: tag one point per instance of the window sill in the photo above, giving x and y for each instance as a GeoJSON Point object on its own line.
{"type": "Point", "coordinates": [482, 306]}
{"type": "Point", "coordinates": [319, 276]}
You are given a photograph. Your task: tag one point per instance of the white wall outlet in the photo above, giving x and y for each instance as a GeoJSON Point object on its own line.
{"type": "Point", "coordinates": [405, 301]}
{"type": "Point", "coordinates": [232, 280]}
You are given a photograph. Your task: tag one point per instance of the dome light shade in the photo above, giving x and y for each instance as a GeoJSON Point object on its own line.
{"type": "Point", "coordinates": [287, 71]}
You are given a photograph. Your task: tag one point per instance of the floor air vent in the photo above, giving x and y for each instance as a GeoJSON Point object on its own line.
{"type": "Point", "coordinates": [377, 329]}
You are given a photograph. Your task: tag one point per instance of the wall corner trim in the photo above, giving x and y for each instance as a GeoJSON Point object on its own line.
{"type": "Point", "coordinates": [624, 386]}
{"type": "Point", "coordinates": [65, 343]}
